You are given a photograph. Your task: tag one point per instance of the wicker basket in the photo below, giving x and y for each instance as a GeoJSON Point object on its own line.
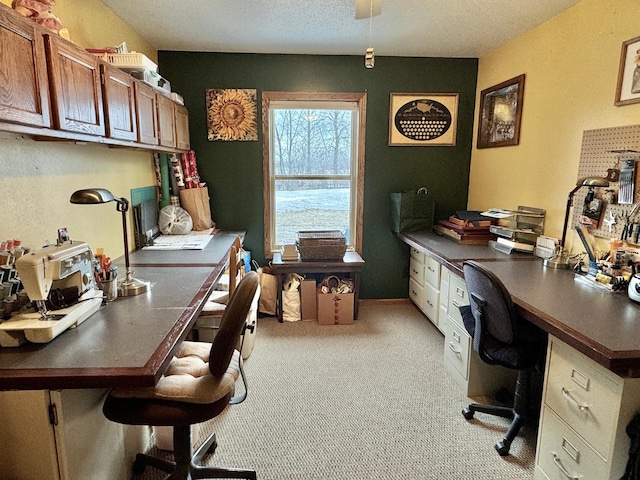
{"type": "Point", "coordinates": [321, 245]}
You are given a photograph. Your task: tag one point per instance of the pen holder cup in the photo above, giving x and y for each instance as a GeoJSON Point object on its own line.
{"type": "Point", "coordinates": [109, 289]}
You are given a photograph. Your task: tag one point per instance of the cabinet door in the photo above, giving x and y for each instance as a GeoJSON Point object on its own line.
{"type": "Point", "coordinates": [119, 103]}
{"type": "Point", "coordinates": [24, 87]}
{"type": "Point", "coordinates": [182, 127]}
{"type": "Point", "coordinates": [75, 88]}
{"type": "Point", "coordinates": [146, 114]}
{"type": "Point", "coordinates": [166, 121]}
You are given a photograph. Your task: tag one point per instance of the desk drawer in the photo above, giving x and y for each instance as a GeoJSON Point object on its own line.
{"type": "Point", "coordinates": [416, 270]}
{"type": "Point", "coordinates": [432, 272]}
{"type": "Point", "coordinates": [431, 304]}
{"type": "Point", "coordinates": [457, 345]}
{"type": "Point", "coordinates": [416, 293]}
{"type": "Point", "coordinates": [417, 254]}
{"type": "Point", "coordinates": [457, 297]}
{"type": "Point", "coordinates": [583, 395]}
{"type": "Point", "coordinates": [562, 454]}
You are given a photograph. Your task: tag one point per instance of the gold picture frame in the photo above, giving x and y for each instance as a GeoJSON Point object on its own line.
{"type": "Point", "coordinates": [628, 87]}
{"type": "Point", "coordinates": [501, 114]}
{"type": "Point", "coordinates": [423, 119]}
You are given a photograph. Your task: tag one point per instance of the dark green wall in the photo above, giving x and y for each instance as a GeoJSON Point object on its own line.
{"type": "Point", "coordinates": [233, 170]}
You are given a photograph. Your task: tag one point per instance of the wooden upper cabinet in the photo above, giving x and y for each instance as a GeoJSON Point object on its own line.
{"type": "Point", "coordinates": [119, 103]}
{"type": "Point", "coordinates": [24, 88]}
{"type": "Point", "coordinates": [74, 77]}
{"type": "Point", "coordinates": [182, 127]}
{"type": "Point", "coordinates": [166, 121]}
{"type": "Point", "coordinates": [146, 114]}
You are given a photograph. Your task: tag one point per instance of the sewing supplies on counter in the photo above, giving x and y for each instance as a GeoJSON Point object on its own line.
{"type": "Point", "coordinates": [106, 275]}
{"type": "Point", "coordinates": [60, 281]}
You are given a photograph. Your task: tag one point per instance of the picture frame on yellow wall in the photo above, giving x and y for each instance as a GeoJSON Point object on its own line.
{"type": "Point", "coordinates": [501, 113]}
{"type": "Point", "coordinates": [423, 119]}
{"type": "Point", "coordinates": [628, 88]}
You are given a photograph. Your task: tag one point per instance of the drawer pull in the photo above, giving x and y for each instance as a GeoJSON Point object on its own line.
{"type": "Point", "coordinates": [455, 304]}
{"type": "Point", "coordinates": [430, 304]}
{"type": "Point", "coordinates": [431, 269]}
{"type": "Point", "coordinates": [567, 395]}
{"type": "Point", "coordinates": [580, 379]}
{"type": "Point", "coordinates": [558, 463]}
{"type": "Point", "coordinates": [454, 348]}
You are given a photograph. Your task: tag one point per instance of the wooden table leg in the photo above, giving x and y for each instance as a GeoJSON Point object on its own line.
{"type": "Point", "coordinates": [279, 297]}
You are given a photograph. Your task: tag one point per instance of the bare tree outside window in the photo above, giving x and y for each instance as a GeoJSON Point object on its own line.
{"type": "Point", "coordinates": [312, 168]}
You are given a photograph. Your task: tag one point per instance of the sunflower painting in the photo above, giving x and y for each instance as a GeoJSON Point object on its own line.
{"type": "Point", "coordinates": [231, 114]}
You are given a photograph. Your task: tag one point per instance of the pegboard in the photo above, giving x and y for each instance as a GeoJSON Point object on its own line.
{"type": "Point", "coordinates": [601, 150]}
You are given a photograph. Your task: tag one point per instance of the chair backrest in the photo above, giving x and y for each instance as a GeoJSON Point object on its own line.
{"type": "Point", "coordinates": [491, 305]}
{"type": "Point", "coordinates": [236, 264]}
{"type": "Point", "coordinates": [232, 324]}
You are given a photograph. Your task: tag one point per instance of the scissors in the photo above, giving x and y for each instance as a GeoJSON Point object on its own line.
{"type": "Point", "coordinates": [105, 266]}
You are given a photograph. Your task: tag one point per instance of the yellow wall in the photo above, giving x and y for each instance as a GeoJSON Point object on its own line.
{"type": "Point", "coordinates": [37, 178]}
{"type": "Point", "coordinates": [571, 67]}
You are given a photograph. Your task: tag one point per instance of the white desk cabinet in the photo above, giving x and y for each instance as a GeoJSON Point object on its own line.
{"type": "Point", "coordinates": [585, 411]}
{"type": "Point", "coordinates": [62, 435]}
{"type": "Point", "coordinates": [424, 284]}
{"type": "Point", "coordinates": [471, 374]}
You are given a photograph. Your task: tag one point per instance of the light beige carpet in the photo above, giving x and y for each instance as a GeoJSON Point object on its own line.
{"type": "Point", "coordinates": [363, 401]}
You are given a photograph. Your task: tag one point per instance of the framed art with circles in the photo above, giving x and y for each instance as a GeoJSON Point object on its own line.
{"type": "Point", "coordinates": [422, 119]}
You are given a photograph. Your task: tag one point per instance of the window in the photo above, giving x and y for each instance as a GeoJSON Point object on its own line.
{"type": "Point", "coordinates": [313, 161]}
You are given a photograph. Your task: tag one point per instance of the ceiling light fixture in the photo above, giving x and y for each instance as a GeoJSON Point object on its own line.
{"type": "Point", "coordinates": [369, 56]}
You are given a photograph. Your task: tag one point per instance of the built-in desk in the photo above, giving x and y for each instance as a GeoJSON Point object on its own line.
{"type": "Point", "coordinates": [215, 253]}
{"type": "Point", "coordinates": [51, 403]}
{"type": "Point", "coordinates": [592, 375]}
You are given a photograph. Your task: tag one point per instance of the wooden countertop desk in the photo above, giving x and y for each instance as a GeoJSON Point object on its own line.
{"type": "Point", "coordinates": [130, 341]}
{"type": "Point", "coordinates": [604, 326]}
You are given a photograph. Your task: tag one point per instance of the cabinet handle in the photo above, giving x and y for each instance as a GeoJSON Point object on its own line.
{"type": "Point", "coordinates": [455, 304]}
{"type": "Point", "coordinates": [558, 463]}
{"type": "Point", "coordinates": [460, 292]}
{"type": "Point", "coordinates": [430, 304]}
{"type": "Point", "coordinates": [454, 348]}
{"type": "Point", "coordinates": [567, 395]}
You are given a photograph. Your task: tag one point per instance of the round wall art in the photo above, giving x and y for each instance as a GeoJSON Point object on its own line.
{"type": "Point", "coordinates": [423, 119]}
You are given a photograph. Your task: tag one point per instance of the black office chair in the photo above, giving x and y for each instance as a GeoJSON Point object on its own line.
{"type": "Point", "coordinates": [198, 385]}
{"type": "Point", "coordinates": [502, 337]}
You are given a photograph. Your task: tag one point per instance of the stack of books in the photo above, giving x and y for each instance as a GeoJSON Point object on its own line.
{"type": "Point", "coordinates": [465, 232]}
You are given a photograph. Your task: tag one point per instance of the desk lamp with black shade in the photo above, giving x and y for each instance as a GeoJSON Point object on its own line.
{"type": "Point", "coordinates": [561, 258]}
{"type": "Point", "coordinates": [91, 196]}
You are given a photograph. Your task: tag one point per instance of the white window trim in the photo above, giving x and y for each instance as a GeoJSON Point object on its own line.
{"type": "Point", "coordinates": [272, 98]}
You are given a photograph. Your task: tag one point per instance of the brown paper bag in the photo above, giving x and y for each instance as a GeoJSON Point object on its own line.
{"type": "Point", "coordinates": [268, 291]}
{"type": "Point", "coordinates": [196, 202]}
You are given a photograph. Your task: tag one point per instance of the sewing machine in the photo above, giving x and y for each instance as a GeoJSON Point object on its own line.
{"type": "Point", "coordinates": [59, 279]}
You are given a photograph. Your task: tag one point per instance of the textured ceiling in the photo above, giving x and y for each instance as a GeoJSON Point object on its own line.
{"type": "Point", "coordinates": [415, 28]}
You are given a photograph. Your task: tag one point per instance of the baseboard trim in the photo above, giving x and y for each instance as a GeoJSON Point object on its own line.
{"type": "Point", "coordinates": [385, 301]}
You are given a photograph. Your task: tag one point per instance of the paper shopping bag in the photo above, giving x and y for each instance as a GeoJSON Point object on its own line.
{"type": "Point", "coordinates": [196, 202]}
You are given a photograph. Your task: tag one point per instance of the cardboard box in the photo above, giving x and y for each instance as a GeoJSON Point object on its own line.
{"type": "Point", "coordinates": [335, 308]}
{"type": "Point", "coordinates": [308, 304]}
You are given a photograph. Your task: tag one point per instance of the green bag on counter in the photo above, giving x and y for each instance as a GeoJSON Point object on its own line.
{"type": "Point", "coordinates": [412, 211]}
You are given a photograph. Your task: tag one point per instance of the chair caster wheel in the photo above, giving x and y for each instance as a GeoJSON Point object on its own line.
{"type": "Point", "coordinates": [138, 467]}
{"type": "Point", "coordinates": [502, 448]}
{"type": "Point", "coordinates": [467, 413]}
